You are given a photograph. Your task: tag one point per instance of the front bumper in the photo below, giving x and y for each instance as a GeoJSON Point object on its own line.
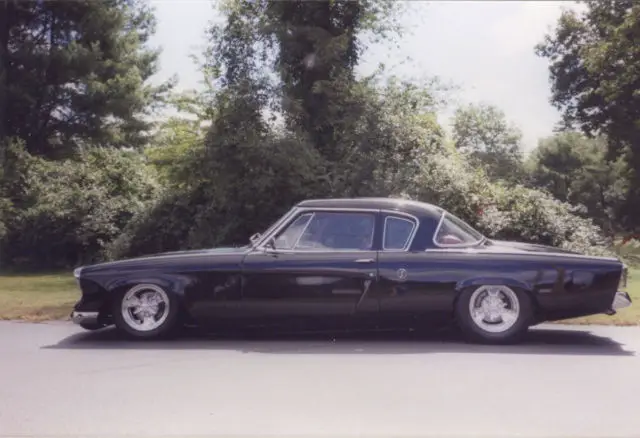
{"type": "Point", "coordinates": [620, 301]}
{"type": "Point", "coordinates": [84, 317]}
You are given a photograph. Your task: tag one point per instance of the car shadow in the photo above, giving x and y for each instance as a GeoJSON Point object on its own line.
{"type": "Point", "coordinates": [545, 341]}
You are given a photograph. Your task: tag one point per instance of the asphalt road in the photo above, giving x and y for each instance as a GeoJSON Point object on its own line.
{"type": "Point", "coordinates": [57, 380]}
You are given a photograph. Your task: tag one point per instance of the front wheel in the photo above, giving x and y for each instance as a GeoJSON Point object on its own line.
{"type": "Point", "coordinates": [146, 311]}
{"type": "Point", "coordinates": [494, 314]}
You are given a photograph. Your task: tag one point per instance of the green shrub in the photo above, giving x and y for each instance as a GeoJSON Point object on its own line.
{"type": "Point", "coordinates": [65, 212]}
{"type": "Point", "coordinates": [510, 213]}
{"type": "Point", "coordinates": [234, 191]}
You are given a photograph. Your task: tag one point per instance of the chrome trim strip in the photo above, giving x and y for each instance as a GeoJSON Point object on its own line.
{"type": "Point", "coordinates": [484, 251]}
{"type": "Point", "coordinates": [412, 234]}
{"type": "Point", "coordinates": [84, 317]}
{"type": "Point", "coordinates": [304, 229]}
{"type": "Point", "coordinates": [277, 225]}
{"type": "Point", "coordinates": [620, 300]}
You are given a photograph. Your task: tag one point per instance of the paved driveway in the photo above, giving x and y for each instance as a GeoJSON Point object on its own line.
{"type": "Point", "coordinates": [562, 382]}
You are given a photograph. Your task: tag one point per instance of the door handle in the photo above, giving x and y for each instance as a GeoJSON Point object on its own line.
{"type": "Point", "coordinates": [365, 260]}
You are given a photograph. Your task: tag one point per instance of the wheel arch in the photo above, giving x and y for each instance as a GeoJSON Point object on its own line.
{"type": "Point", "coordinates": [495, 280]}
{"type": "Point", "coordinates": [173, 284]}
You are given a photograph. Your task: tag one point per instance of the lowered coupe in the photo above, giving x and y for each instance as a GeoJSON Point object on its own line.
{"type": "Point", "coordinates": [341, 263]}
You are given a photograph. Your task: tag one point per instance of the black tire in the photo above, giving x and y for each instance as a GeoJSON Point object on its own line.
{"type": "Point", "coordinates": [167, 328]}
{"type": "Point", "coordinates": [474, 333]}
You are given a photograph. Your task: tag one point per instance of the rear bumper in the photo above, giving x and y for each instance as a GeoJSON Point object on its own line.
{"type": "Point", "coordinates": [620, 301]}
{"type": "Point", "coordinates": [84, 317]}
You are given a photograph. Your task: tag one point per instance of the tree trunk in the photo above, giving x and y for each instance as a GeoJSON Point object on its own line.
{"type": "Point", "coordinates": [6, 7]}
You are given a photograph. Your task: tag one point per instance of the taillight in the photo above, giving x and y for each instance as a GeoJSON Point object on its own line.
{"type": "Point", "coordinates": [623, 278]}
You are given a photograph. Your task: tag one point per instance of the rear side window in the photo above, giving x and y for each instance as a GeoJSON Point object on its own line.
{"type": "Point", "coordinates": [453, 231]}
{"type": "Point", "coordinates": [397, 233]}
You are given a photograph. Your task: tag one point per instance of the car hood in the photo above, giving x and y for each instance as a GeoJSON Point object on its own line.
{"type": "Point", "coordinates": [165, 258]}
{"type": "Point", "coordinates": [194, 252]}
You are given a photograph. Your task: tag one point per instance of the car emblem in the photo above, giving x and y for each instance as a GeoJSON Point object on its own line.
{"type": "Point", "coordinates": [402, 274]}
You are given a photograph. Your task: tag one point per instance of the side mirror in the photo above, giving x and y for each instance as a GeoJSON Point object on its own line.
{"type": "Point", "coordinates": [254, 238]}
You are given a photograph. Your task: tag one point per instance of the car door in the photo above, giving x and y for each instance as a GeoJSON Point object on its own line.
{"type": "Point", "coordinates": [409, 281]}
{"type": "Point", "coordinates": [316, 271]}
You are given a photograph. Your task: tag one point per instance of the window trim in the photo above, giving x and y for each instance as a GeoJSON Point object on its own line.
{"type": "Point", "coordinates": [409, 240]}
{"type": "Point", "coordinates": [313, 215]}
{"type": "Point", "coordinates": [291, 222]}
{"type": "Point", "coordinates": [293, 213]}
{"type": "Point", "coordinates": [313, 212]}
{"type": "Point", "coordinates": [453, 245]}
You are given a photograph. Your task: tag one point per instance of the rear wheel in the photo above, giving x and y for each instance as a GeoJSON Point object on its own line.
{"type": "Point", "coordinates": [146, 311]}
{"type": "Point", "coordinates": [494, 314]}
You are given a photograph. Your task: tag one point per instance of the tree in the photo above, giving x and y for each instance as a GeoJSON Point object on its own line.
{"type": "Point", "coordinates": [67, 211]}
{"type": "Point", "coordinates": [482, 132]}
{"type": "Point", "coordinates": [76, 72]}
{"type": "Point", "coordinates": [574, 169]}
{"type": "Point", "coordinates": [179, 138]}
{"type": "Point", "coordinates": [595, 72]}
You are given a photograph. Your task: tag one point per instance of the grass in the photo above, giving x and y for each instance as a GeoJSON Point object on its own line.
{"type": "Point", "coordinates": [38, 296]}
{"type": "Point", "coordinates": [51, 296]}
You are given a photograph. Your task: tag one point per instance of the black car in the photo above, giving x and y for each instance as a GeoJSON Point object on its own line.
{"type": "Point", "coordinates": [342, 263]}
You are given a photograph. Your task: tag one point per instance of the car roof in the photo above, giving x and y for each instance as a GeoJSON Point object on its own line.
{"type": "Point", "coordinates": [398, 204]}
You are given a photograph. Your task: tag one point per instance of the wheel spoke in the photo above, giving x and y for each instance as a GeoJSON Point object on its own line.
{"type": "Point", "coordinates": [509, 316]}
{"type": "Point", "coordinates": [132, 301]}
{"type": "Point", "coordinates": [148, 320]}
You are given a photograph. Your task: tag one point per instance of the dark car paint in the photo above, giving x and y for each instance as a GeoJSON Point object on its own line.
{"type": "Point", "coordinates": [253, 286]}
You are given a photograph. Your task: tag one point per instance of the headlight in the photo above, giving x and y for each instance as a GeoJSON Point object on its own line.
{"type": "Point", "coordinates": [76, 272]}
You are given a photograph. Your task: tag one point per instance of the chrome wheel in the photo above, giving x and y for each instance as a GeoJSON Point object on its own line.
{"type": "Point", "coordinates": [494, 309]}
{"type": "Point", "coordinates": [145, 307]}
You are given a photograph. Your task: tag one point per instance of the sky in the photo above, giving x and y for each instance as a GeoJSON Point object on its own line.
{"type": "Point", "coordinates": [485, 48]}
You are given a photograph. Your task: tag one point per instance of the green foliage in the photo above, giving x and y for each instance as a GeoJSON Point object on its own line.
{"type": "Point", "coordinates": [342, 136]}
{"type": "Point", "coordinates": [575, 169]}
{"type": "Point", "coordinates": [6, 207]}
{"type": "Point", "coordinates": [67, 211]}
{"type": "Point", "coordinates": [628, 249]}
{"type": "Point", "coordinates": [505, 212]}
{"type": "Point", "coordinates": [595, 71]}
{"type": "Point", "coordinates": [484, 135]}
{"type": "Point", "coordinates": [283, 118]}
{"type": "Point", "coordinates": [74, 73]}
{"type": "Point", "coordinates": [180, 138]}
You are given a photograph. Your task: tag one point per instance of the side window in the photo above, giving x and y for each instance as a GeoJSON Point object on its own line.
{"type": "Point", "coordinates": [339, 231]}
{"type": "Point", "coordinates": [397, 232]}
{"type": "Point", "coordinates": [453, 231]}
{"type": "Point", "coordinates": [290, 236]}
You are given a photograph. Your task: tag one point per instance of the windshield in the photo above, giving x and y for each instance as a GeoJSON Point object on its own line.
{"type": "Point", "coordinates": [453, 231]}
{"type": "Point", "coordinates": [256, 237]}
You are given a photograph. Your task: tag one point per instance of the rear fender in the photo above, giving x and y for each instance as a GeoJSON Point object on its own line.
{"type": "Point", "coordinates": [503, 281]}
